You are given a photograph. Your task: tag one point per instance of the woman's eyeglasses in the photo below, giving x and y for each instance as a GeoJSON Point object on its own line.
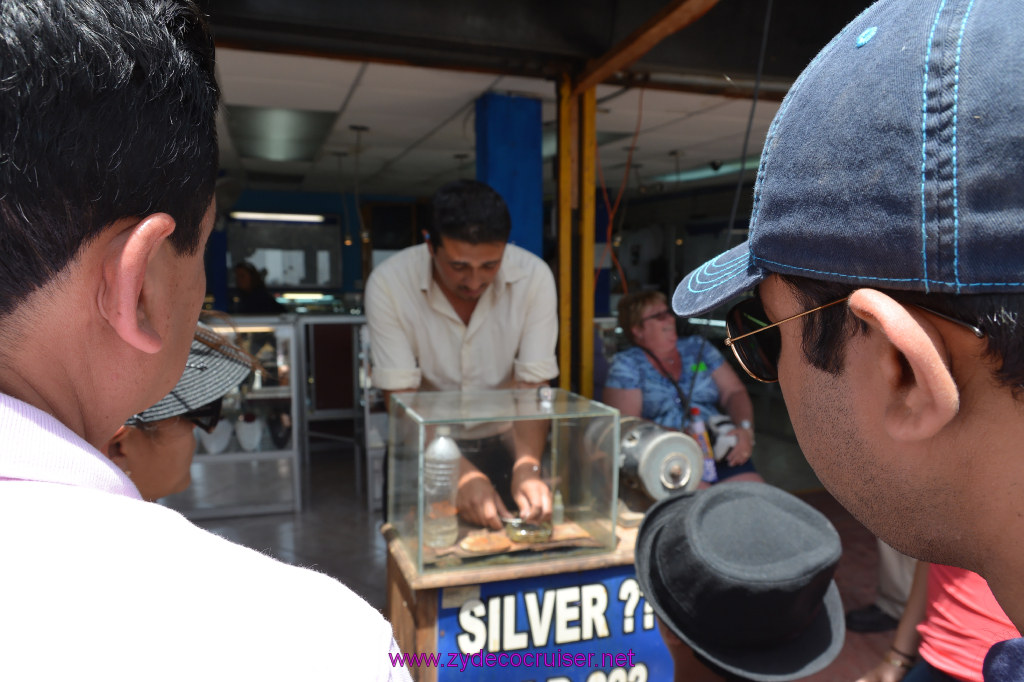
{"type": "Point", "coordinates": [207, 416]}
{"type": "Point", "coordinates": [660, 316]}
{"type": "Point", "coordinates": [759, 353]}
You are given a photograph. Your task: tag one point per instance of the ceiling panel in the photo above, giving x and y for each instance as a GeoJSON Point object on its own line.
{"type": "Point", "coordinates": [414, 79]}
{"type": "Point", "coordinates": [419, 119]}
{"type": "Point", "coordinates": [263, 79]}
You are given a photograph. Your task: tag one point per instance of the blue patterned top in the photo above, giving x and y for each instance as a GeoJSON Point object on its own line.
{"type": "Point", "coordinates": [631, 369]}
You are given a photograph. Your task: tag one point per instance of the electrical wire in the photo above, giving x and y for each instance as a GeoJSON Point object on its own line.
{"type": "Point", "coordinates": [618, 199]}
{"type": "Point", "coordinates": [750, 125]}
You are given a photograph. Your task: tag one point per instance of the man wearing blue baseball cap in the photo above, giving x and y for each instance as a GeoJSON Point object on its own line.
{"type": "Point", "coordinates": [886, 257]}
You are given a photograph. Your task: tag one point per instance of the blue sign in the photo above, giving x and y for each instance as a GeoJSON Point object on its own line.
{"type": "Point", "coordinates": [591, 626]}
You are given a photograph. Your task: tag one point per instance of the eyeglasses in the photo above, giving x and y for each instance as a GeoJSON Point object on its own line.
{"type": "Point", "coordinates": [660, 316]}
{"type": "Point", "coordinates": [207, 416]}
{"type": "Point", "coordinates": [759, 356]}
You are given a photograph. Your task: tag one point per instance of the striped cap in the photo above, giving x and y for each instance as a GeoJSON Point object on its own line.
{"type": "Point", "coordinates": [214, 367]}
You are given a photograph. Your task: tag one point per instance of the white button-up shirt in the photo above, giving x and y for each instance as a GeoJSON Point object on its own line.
{"type": "Point", "coordinates": [418, 340]}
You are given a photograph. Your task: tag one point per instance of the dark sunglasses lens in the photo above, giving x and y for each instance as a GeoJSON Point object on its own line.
{"type": "Point", "coordinates": [207, 416]}
{"type": "Point", "coordinates": [760, 352]}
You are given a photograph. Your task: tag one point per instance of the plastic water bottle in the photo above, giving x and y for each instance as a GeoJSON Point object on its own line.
{"type": "Point", "coordinates": [440, 484]}
{"type": "Point", "coordinates": [699, 432]}
{"type": "Point", "coordinates": [557, 509]}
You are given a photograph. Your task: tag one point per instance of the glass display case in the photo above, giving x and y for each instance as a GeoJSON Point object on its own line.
{"type": "Point", "coordinates": [250, 463]}
{"type": "Point", "coordinates": [509, 437]}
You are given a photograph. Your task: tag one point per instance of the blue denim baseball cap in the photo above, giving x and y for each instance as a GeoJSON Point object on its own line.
{"type": "Point", "coordinates": [896, 160]}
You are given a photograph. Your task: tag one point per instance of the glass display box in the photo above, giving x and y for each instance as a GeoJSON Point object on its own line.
{"type": "Point", "coordinates": [546, 441]}
{"type": "Point", "coordinates": [250, 463]}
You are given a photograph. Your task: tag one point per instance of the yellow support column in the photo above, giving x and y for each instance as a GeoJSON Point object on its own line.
{"type": "Point", "coordinates": [566, 201]}
{"type": "Point", "coordinates": [587, 194]}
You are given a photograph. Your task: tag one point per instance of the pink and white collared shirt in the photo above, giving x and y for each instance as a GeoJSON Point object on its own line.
{"type": "Point", "coordinates": [37, 447]}
{"type": "Point", "coordinates": [96, 582]}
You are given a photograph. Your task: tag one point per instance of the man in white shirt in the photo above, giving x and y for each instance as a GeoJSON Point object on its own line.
{"type": "Point", "coordinates": [469, 311]}
{"type": "Point", "coordinates": [109, 158]}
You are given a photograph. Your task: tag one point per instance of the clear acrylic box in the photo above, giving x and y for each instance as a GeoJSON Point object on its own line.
{"type": "Point", "coordinates": [577, 439]}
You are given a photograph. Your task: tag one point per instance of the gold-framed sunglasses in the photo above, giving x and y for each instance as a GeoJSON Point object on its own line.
{"type": "Point", "coordinates": [758, 355]}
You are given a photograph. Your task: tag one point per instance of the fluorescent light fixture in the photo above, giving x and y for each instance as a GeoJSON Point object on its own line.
{"type": "Point", "coordinates": [302, 296]}
{"type": "Point", "coordinates": [707, 322]}
{"type": "Point", "coordinates": [706, 171]}
{"type": "Point", "coordinates": [278, 217]}
{"type": "Point", "coordinates": [241, 329]}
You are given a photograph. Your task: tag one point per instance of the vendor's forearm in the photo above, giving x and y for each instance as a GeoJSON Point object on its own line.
{"type": "Point", "coordinates": [468, 470]}
{"type": "Point", "coordinates": [386, 395]}
{"type": "Point", "coordinates": [530, 436]}
{"type": "Point", "coordinates": [530, 439]}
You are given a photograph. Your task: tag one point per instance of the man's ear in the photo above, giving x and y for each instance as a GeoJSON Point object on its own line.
{"type": "Point", "coordinates": [123, 299]}
{"type": "Point", "coordinates": [115, 450]}
{"type": "Point", "coordinates": [922, 394]}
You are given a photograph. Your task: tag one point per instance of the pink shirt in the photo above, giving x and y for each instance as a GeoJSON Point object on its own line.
{"type": "Point", "coordinates": [962, 621]}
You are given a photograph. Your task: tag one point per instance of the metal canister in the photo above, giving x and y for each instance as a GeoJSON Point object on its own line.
{"type": "Point", "coordinates": [658, 461]}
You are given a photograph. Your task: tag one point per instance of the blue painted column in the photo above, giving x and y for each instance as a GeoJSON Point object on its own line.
{"type": "Point", "coordinates": [508, 158]}
{"type": "Point", "coordinates": [216, 263]}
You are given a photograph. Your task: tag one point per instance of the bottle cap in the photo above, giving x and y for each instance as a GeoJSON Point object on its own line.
{"type": "Point", "coordinates": [443, 430]}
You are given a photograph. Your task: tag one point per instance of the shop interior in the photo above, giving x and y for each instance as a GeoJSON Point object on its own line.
{"type": "Point", "coordinates": [336, 126]}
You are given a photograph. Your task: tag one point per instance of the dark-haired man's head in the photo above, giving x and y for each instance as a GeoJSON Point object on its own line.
{"type": "Point", "coordinates": [470, 211]}
{"type": "Point", "coordinates": [467, 238]}
{"type": "Point", "coordinates": [107, 111]}
{"type": "Point", "coordinates": [886, 259]}
{"type": "Point", "coordinates": [108, 159]}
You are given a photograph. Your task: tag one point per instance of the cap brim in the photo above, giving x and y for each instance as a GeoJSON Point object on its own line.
{"type": "Point", "coordinates": [715, 282]}
{"type": "Point", "coordinates": [209, 373]}
{"type": "Point", "coordinates": [812, 651]}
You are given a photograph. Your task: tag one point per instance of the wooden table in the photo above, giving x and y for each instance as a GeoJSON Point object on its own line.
{"type": "Point", "coordinates": [414, 599]}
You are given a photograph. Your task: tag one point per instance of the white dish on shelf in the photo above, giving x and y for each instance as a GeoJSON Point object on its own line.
{"type": "Point", "coordinates": [217, 441]}
{"type": "Point", "coordinates": [249, 434]}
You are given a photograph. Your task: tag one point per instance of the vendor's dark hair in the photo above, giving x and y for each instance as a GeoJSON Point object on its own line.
{"type": "Point", "coordinates": [470, 211]}
{"type": "Point", "coordinates": [1000, 316]}
{"type": "Point", "coordinates": [107, 111]}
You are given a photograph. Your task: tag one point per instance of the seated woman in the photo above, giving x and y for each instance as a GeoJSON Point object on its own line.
{"type": "Point", "coordinates": [654, 378]}
{"type": "Point", "coordinates": [155, 447]}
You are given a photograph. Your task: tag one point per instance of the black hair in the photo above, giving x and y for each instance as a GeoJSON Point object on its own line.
{"type": "Point", "coordinates": [999, 316]}
{"type": "Point", "coordinates": [469, 211]}
{"type": "Point", "coordinates": [107, 111]}
{"type": "Point", "coordinates": [255, 274]}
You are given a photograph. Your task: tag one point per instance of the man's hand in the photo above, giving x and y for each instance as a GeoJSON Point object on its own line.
{"type": "Point", "coordinates": [531, 494]}
{"type": "Point", "coordinates": [884, 672]}
{"type": "Point", "coordinates": [479, 502]}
